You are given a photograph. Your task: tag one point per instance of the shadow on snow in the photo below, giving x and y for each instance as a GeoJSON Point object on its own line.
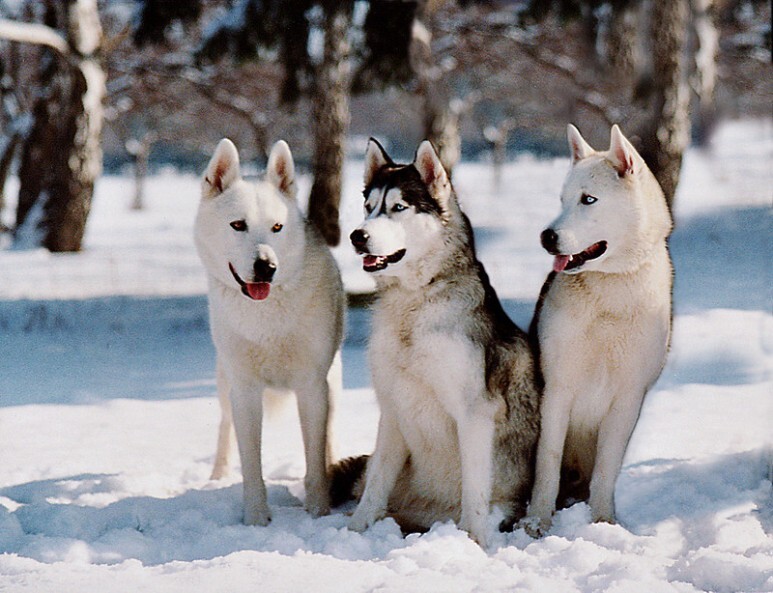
{"type": "Point", "coordinates": [203, 524]}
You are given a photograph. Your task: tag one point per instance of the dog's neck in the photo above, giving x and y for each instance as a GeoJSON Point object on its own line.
{"type": "Point", "coordinates": [605, 288]}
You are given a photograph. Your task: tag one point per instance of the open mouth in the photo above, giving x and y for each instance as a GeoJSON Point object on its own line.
{"type": "Point", "coordinates": [374, 263]}
{"type": "Point", "coordinates": [257, 291]}
{"type": "Point", "coordinates": [563, 263]}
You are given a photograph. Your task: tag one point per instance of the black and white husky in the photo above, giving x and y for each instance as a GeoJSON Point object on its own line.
{"type": "Point", "coordinates": [453, 375]}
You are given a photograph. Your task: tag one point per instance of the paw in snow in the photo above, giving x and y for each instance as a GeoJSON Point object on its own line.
{"type": "Point", "coordinates": [259, 517]}
{"type": "Point", "coordinates": [360, 521]}
{"type": "Point", "coordinates": [535, 526]}
{"type": "Point", "coordinates": [602, 507]}
{"type": "Point", "coordinates": [603, 517]}
{"type": "Point", "coordinates": [219, 472]}
{"type": "Point", "coordinates": [476, 529]}
{"type": "Point", "coordinates": [317, 504]}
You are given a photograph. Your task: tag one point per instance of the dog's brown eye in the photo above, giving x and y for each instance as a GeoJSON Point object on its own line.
{"type": "Point", "coordinates": [239, 225]}
{"type": "Point", "coordinates": [277, 227]}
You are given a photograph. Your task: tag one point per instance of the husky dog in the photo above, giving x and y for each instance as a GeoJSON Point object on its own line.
{"type": "Point", "coordinates": [603, 323]}
{"type": "Point", "coordinates": [453, 375]}
{"type": "Point", "coordinates": [276, 311]}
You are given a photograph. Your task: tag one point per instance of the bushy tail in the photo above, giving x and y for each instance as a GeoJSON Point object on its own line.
{"type": "Point", "coordinates": [345, 475]}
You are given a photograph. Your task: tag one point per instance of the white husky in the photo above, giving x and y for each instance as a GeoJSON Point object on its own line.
{"type": "Point", "coordinates": [276, 312]}
{"type": "Point", "coordinates": [603, 323]}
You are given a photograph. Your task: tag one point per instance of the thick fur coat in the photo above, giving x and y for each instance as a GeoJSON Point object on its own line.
{"type": "Point", "coordinates": [276, 312]}
{"type": "Point", "coordinates": [603, 324]}
{"type": "Point", "coordinates": [454, 377]}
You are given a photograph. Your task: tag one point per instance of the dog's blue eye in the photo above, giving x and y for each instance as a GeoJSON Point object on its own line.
{"type": "Point", "coordinates": [398, 208]}
{"type": "Point", "coordinates": [587, 200]}
{"type": "Point", "coordinates": [239, 225]}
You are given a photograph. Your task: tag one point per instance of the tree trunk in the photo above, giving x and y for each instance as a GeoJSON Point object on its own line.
{"type": "Point", "coordinates": [498, 137]}
{"type": "Point", "coordinates": [330, 114]}
{"type": "Point", "coordinates": [62, 156]}
{"type": "Point", "coordinates": [12, 142]}
{"type": "Point", "coordinates": [441, 120]}
{"type": "Point", "coordinates": [704, 77]}
{"type": "Point", "coordinates": [668, 134]}
{"type": "Point", "coordinates": [139, 149]}
{"type": "Point", "coordinates": [38, 154]}
{"type": "Point", "coordinates": [622, 39]}
{"type": "Point", "coordinates": [441, 127]}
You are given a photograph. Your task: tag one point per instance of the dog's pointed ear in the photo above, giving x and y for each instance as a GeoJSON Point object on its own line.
{"type": "Point", "coordinates": [281, 169]}
{"type": "Point", "coordinates": [375, 158]}
{"type": "Point", "coordinates": [579, 148]}
{"type": "Point", "coordinates": [428, 164]}
{"type": "Point", "coordinates": [223, 169]}
{"type": "Point", "coordinates": [622, 154]}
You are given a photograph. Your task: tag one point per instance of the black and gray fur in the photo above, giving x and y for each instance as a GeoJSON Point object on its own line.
{"type": "Point", "coordinates": [449, 286]}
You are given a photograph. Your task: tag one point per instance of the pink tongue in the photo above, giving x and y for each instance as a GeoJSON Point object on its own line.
{"type": "Point", "coordinates": [370, 260]}
{"type": "Point", "coordinates": [559, 264]}
{"type": "Point", "coordinates": [258, 290]}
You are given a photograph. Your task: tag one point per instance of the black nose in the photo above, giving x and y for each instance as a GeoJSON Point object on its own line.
{"type": "Point", "coordinates": [264, 270]}
{"type": "Point", "coordinates": [549, 240]}
{"type": "Point", "coordinates": [359, 238]}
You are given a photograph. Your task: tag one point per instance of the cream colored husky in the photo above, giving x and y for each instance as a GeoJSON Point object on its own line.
{"type": "Point", "coordinates": [603, 323]}
{"type": "Point", "coordinates": [276, 312]}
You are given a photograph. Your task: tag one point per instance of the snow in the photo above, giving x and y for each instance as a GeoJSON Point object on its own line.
{"type": "Point", "coordinates": [108, 417]}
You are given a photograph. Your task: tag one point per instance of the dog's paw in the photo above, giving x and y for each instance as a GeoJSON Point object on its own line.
{"type": "Point", "coordinates": [603, 517]}
{"type": "Point", "coordinates": [534, 526]}
{"type": "Point", "coordinates": [480, 537]}
{"type": "Point", "coordinates": [317, 502]}
{"type": "Point", "coordinates": [602, 507]}
{"type": "Point", "coordinates": [477, 530]}
{"type": "Point", "coordinates": [317, 506]}
{"type": "Point", "coordinates": [258, 516]}
{"type": "Point", "coordinates": [360, 521]}
{"type": "Point", "coordinates": [219, 472]}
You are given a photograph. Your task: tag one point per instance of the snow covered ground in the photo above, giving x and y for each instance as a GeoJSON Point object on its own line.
{"type": "Point", "coordinates": [108, 416]}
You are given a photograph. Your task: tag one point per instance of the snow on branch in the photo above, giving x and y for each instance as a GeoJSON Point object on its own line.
{"type": "Point", "coordinates": [35, 34]}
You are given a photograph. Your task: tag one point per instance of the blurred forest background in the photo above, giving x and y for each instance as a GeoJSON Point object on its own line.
{"type": "Point", "coordinates": [126, 86]}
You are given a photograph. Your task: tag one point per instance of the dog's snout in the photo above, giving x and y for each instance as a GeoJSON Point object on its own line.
{"type": "Point", "coordinates": [264, 270]}
{"type": "Point", "coordinates": [549, 240]}
{"type": "Point", "coordinates": [359, 238]}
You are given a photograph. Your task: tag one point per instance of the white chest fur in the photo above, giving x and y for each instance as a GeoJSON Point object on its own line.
{"type": "Point", "coordinates": [426, 374]}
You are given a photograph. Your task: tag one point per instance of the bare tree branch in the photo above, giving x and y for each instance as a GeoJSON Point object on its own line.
{"type": "Point", "coordinates": [35, 34]}
{"type": "Point", "coordinates": [558, 64]}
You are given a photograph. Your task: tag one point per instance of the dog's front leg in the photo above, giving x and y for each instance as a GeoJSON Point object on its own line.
{"type": "Point", "coordinates": [476, 441]}
{"type": "Point", "coordinates": [313, 411]}
{"type": "Point", "coordinates": [614, 433]}
{"type": "Point", "coordinates": [556, 405]}
{"type": "Point", "coordinates": [247, 409]}
{"type": "Point", "coordinates": [384, 467]}
{"type": "Point", "coordinates": [225, 432]}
